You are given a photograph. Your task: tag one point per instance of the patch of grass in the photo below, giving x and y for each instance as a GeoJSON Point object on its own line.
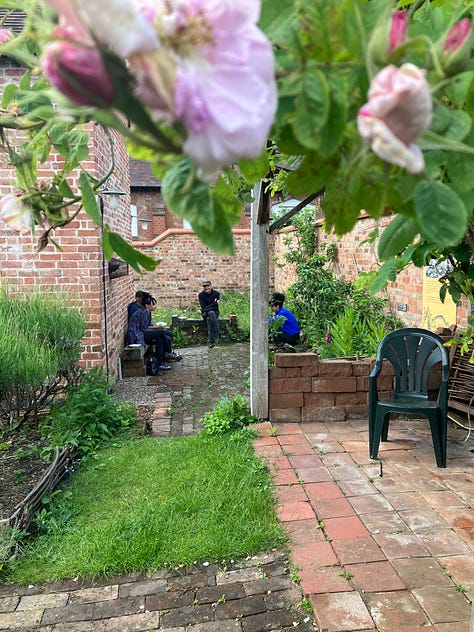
{"type": "Point", "coordinates": [156, 503]}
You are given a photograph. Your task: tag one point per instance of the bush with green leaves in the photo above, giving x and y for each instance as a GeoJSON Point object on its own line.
{"type": "Point", "coordinates": [40, 345]}
{"type": "Point", "coordinates": [87, 417]}
{"type": "Point", "coordinates": [322, 301]}
{"type": "Point", "coordinates": [227, 414]}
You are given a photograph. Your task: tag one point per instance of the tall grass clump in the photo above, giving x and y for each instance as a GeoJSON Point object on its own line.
{"type": "Point", "coordinates": [238, 303]}
{"type": "Point", "coordinates": [40, 345]}
{"type": "Point", "coordinates": [151, 504]}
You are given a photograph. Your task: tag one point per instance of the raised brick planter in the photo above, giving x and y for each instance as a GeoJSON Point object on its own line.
{"type": "Point", "coordinates": [302, 387]}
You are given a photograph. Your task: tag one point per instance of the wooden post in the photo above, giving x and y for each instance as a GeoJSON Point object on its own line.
{"type": "Point", "coordinates": [259, 305]}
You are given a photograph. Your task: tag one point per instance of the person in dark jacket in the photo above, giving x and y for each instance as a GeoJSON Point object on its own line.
{"type": "Point", "coordinates": [289, 330]}
{"type": "Point", "coordinates": [209, 303]}
{"type": "Point", "coordinates": [140, 332]}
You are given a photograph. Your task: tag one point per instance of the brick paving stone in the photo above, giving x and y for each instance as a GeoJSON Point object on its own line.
{"type": "Point", "coordinates": [240, 607]}
{"type": "Point", "coordinates": [266, 585]}
{"type": "Point", "coordinates": [169, 600]}
{"type": "Point", "coordinates": [36, 602]}
{"type": "Point", "coordinates": [133, 623]}
{"type": "Point", "coordinates": [418, 572]}
{"type": "Point", "coordinates": [211, 594]}
{"type": "Point", "coordinates": [370, 503]}
{"type": "Point", "coordinates": [278, 600]}
{"type": "Point", "coordinates": [399, 545]}
{"type": "Point", "coordinates": [424, 520]}
{"type": "Point", "coordinates": [76, 612]}
{"type": "Point", "coordinates": [305, 460]}
{"type": "Point", "coordinates": [290, 493]}
{"type": "Point", "coordinates": [238, 575]}
{"type": "Point", "coordinates": [322, 491]}
{"type": "Point", "coordinates": [386, 522]}
{"type": "Point", "coordinates": [273, 620]}
{"type": "Point", "coordinates": [324, 580]}
{"type": "Point", "coordinates": [314, 474]}
{"type": "Point", "coordinates": [357, 550]}
{"type": "Point", "coordinates": [295, 511]}
{"type": "Point", "coordinates": [342, 528]}
{"type": "Point", "coordinates": [187, 616]}
{"type": "Point", "coordinates": [374, 577]}
{"type": "Point", "coordinates": [332, 508]}
{"type": "Point", "coordinates": [292, 439]}
{"type": "Point", "coordinates": [98, 593]}
{"type": "Point", "coordinates": [285, 477]}
{"type": "Point", "coordinates": [210, 626]}
{"type": "Point", "coordinates": [137, 589]}
{"type": "Point", "coordinates": [21, 620]}
{"type": "Point", "coordinates": [461, 570]}
{"type": "Point", "coordinates": [8, 604]}
{"type": "Point", "coordinates": [304, 531]}
{"type": "Point", "coordinates": [395, 610]}
{"type": "Point", "coordinates": [313, 556]}
{"type": "Point", "coordinates": [341, 612]}
{"type": "Point", "coordinates": [443, 604]}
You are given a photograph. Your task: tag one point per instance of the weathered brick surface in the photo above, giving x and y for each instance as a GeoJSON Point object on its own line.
{"type": "Point", "coordinates": [344, 399]}
{"type": "Point", "coordinates": [296, 359]}
{"type": "Point", "coordinates": [334, 385]}
{"type": "Point", "coordinates": [286, 400]}
{"type": "Point", "coordinates": [285, 414]}
{"type": "Point", "coordinates": [291, 385]}
{"type": "Point", "coordinates": [334, 413]}
{"type": "Point", "coordinates": [319, 400]}
{"type": "Point", "coordinates": [335, 368]}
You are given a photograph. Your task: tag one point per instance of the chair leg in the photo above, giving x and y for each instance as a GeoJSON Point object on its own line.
{"type": "Point", "coordinates": [385, 428]}
{"type": "Point", "coordinates": [377, 433]}
{"type": "Point", "coordinates": [438, 427]}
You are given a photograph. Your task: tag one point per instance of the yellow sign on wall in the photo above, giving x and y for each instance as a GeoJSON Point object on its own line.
{"type": "Point", "coordinates": [435, 313]}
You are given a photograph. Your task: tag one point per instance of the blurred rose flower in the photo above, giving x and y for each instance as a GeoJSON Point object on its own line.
{"type": "Point", "coordinates": [202, 62]}
{"type": "Point", "coordinates": [123, 25]}
{"type": "Point", "coordinates": [15, 213]}
{"type": "Point", "coordinates": [5, 35]}
{"type": "Point", "coordinates": [398, 111]}
{"type": "Point", "coordinates": [455, 50]}
{"type": "Point", "coordinates": [398, 29]}
{"type": "Point", "coordinates": [77, 71]}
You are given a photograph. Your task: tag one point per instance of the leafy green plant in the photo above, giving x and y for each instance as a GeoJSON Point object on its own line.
{"type": "Point", "coordinates": [353, 335]}
{"type": "Point", "coordinates": [227, 414]}
{"type": "Point", "coordinates": [87, 417]}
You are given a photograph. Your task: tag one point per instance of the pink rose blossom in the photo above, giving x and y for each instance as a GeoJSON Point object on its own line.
{"type": "Point", "coordinates": [225, 90]}
{"type": "Point", "coordinates": [455, 50]}
{"type": "Point", "coordinates": [5, 35]}
{"type": "Point", "coordinates": [457, 35]}
{"type": "Point", "coordinates": [77, 71]}
{"type": "Point", "coordinates": [15, 213]}
{"type": "Point", "coordinates": [398, 112]}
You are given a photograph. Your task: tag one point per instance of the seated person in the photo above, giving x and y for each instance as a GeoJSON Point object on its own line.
{"type": "Point", "coordinates": [136, 304]}
{"type": "Point", "coordinates": [140, 332]}
{"type": "Point", "coordinates": [170, 355]}
{"type": "Point", "coordinates": [289, 330]}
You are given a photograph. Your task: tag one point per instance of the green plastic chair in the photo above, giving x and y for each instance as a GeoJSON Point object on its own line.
{"type": "Point", "coordinates": [413, 353]}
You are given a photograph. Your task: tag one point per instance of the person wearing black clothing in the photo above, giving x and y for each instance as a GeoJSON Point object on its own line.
{"type": "Point", "coordinates": [209, 302]}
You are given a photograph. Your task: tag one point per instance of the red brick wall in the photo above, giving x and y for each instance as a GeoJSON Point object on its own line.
{"type": "Point", "coordinates": [77, 270]}
{"type": "Point", "coordinates": [186, 263]}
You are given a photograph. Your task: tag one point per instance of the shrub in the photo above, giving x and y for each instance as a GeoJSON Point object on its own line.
{"type": "Point", "coordinates": [227, 414]}
{"type": "Point", "coordinates": [87, 417]}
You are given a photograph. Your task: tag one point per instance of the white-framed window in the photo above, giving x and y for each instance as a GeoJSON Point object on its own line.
{"type": "Point", "coordinates": [134, 219]}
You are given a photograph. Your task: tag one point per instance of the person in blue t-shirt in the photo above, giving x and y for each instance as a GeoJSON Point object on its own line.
{"type": "Point", "coordinates": [289, 330]}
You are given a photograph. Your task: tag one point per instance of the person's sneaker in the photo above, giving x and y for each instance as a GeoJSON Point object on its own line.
{"type": "Point", "coordinates": [164, 367]}
{"type": "Point", "coordinates": [210, 345]}
{"type": "Point", "coordinates": [222, 336]}
{"type": "Point", "coordinates": [173, 357]}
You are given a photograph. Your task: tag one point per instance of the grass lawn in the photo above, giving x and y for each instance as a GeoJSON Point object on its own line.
{"type": "Point", "coordinates": [155, 502]}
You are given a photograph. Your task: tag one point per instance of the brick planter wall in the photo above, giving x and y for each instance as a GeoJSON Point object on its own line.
{"type": "Point", "coordinates": [302, 387]}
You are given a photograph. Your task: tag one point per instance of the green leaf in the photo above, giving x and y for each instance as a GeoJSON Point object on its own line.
{"type": "Point", "coordinates": [332, 132]}
{"type": "Point", "coordinates": [254, 170]}
{"type": "Point", "coordinates": [113, 242]}
{"type": "Point", "coordinates": [312, 107]}
{"type": "Point", "coordinates": [89, 200]}
{"type": "Point", "coordinates": [9, 95]}
{"type": "Point", "coordinates": [186, 195]}
{"type": "Point", "coordinates": [397, 236]}
{"type": "Point", "coordinates": [386, 273]}
{"type": "Point", "coordinates": [441, 213]}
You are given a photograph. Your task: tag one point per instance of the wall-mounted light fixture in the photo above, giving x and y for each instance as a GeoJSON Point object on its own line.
{"type": "Point", "coordinates": [144, 221]}
{"type": "Point", "coordinates": [110, 189]}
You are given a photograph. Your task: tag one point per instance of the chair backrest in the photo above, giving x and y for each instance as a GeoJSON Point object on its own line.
{"type": "Point", "coordinates": [413, 352]}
